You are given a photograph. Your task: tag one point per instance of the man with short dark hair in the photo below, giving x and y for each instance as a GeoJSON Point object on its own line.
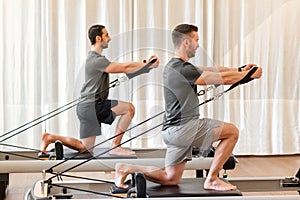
{"type": "Point", "coordinates": [96, 108]}
{"type": "Point", "coordinates": [182, 128]}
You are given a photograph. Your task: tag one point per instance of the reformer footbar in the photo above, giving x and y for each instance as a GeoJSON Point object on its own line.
{"type": "Point", "coordinates": [244, 80]}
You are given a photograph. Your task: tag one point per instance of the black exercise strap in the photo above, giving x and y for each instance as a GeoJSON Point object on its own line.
{"type": "Point", "coordinates": [244, 80]}
{"type": "Point", "coordinates": [203, 91]}
{"type": "Point", "coordinates": [144, 70]}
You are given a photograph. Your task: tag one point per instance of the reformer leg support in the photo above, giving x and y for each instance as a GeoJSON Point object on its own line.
{"type": "Point", "coordinates": [130, 184]}
{"type": "Point", "coordinates": [136, 186]}
{"type": "Point", "coordinates": [59, 150]}
{"type": "Point", "coordinates": [4, 179]}
{"type": "Point", "coordinates": [210, 152]}
{"type": "Point", "coordinates": [56, 153]}
{"type": "Point", "coordinates": [140, 186]}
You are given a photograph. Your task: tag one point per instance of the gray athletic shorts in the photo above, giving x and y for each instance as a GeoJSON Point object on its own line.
{"type": "Point", "coordinates": [181, 138]}
{"type": "Point", "coordinates": [92, 114]}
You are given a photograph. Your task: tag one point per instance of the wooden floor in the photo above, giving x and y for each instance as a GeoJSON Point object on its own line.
{"type": "Point", "coordinates": [248, 166]}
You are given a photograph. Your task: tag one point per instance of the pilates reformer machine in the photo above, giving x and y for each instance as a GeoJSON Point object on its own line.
{"type": "Point", "coordinates": [139, 187]}
{"type": "Point", "coordinates": [47, 188]}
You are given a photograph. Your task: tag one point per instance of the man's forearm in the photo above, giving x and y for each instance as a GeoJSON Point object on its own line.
{"type": "Point", "coordinates": [218, 68]}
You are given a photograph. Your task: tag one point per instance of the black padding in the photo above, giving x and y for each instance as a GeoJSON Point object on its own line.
{"type": "Point", "coordinates": [43, 155]}
{"type": "Point", "coordinates": [59, 150]}
{"type": "Point", "coordinates": [140, 184]}
{"type": "Point", "coordinates": [210, 152]}
{"type": "Point", "coordinates": [187, 188]}
{"type": "Point", "coordinates": [48, 155]}
{"type": "Point", "coordinates": [97, 154]}
{"type": "Point", "coordinates": [230, 163]}
{"type": "Point", "coordinates": [298, 174]}
{"type": "Point", "coordinates": [116, 190]}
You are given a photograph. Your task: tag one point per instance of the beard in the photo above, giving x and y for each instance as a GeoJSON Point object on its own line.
{"type": "Point", "coordinates": [104, 45]}
{"type": "Point", "coordinates": [191, 53]}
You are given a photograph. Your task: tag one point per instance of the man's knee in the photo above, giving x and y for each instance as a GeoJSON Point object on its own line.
{"type": "Point", "coordinates": [172, 181]}
{"type": "Point", "coordinates": [234, 131]}
{"type": "Point", "coordinates": [131, 110]}
{"type": "Point", "coordinates": [174, 174]}
{"type": "Point", "coordinates": [175, 181]}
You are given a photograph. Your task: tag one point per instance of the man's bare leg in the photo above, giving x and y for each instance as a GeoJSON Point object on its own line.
{"type": "Point", "coordinates": [70, 142]}
{"type": "Point", "coordinates": [228, 134]}
{"type": "Point", "coordinates": [126, 110]}
{"type": "Point", "coordinates": [170, 176]}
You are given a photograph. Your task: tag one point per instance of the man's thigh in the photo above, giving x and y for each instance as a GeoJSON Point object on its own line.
{"type": "Point", "coordinates": [121, 108]}
{"type": "Point", "coordinates": [224, 131]}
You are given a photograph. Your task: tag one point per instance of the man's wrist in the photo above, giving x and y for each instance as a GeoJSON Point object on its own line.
{"type": "Point", "coordinates": [240, 69]}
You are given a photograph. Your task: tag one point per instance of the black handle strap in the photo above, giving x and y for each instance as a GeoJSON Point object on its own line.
{"type": "Point", "coordinates": [244, 80]}
{"type": "Point", "coordinates": [144, 70]}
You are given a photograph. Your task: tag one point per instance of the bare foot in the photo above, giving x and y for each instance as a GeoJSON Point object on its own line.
{"type": "Point", "coordinates": [121, 174]}
{"type": "Point", "coordinates": [46, 137]}
{"type": "Point", "coordinates": [218, 184]}
{"type": "Point", "coordinates": [120, 151]}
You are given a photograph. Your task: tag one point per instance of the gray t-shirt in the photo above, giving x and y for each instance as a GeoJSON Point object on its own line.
{"type": "Point", "coordinates": [96, 80]}
{"type": "Point", "coordinates": [180, 92]}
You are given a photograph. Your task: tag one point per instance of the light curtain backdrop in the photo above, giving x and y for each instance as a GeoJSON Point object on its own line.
{"type": "Point", "coordinates": [44, 45]}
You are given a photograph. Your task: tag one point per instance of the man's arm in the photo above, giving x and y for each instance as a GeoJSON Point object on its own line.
{"type": "Point", "coordinates": [129, 67]}
{"type": "Point", "coordinates": [225, 69]}
{"type": "Point", "coordinates": [224, 78]}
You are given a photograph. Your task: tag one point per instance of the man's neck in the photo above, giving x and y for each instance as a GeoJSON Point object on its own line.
{"type": "Point", "coordinates": [180, 52]}
{"type": "Point", "coordinates": [182, 56]}
{"type": "Point", "coordinates": [97, 49]}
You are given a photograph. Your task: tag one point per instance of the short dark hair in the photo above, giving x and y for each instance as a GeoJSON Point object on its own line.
{"type": "Point", "coordinates": [180, 31]}
{"type": "Point", "coordinates": [94, 31]}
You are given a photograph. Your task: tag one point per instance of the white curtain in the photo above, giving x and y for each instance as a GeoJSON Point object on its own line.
{"type": "Point", "coordinates": [44, 45]}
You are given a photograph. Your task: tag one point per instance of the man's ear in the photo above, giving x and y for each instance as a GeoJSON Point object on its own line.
{"type": "Point", "coordinates": [98, 38]}
{"type": "Point", "coordinates": [186, 42]}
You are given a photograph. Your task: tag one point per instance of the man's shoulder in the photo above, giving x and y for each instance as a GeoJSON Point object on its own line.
{"type": "Point", "coordinates": [179, 65]}
{"type": "Point", "coordinates": [95, 55]}
{"type": "Point", "coordinates": [96, 60]}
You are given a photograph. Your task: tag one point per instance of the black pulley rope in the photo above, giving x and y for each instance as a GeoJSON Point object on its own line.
{"type": "Point", "coordinates": [88, 191]}
{"type": "Point", "coordinates": [87, 150]}
{"type": "Point", "coordinates": [54, 113]}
